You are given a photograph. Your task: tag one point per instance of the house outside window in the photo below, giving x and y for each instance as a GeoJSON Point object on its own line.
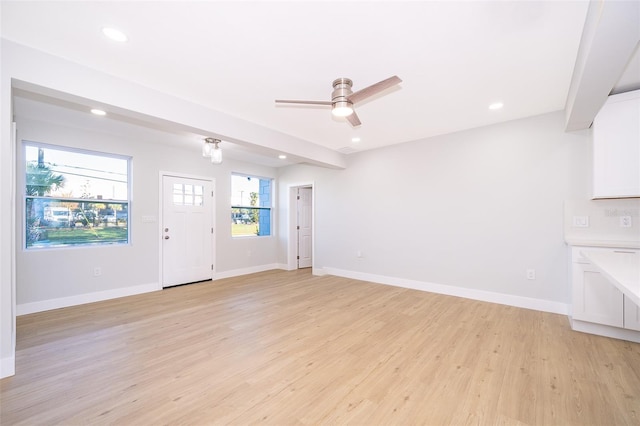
{"type": "Point", "coordinates": [251, 201]}
{"type": "Point", "coordinates": [74, 197]}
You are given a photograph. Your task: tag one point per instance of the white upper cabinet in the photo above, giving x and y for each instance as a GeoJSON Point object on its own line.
{"type": "Point", "coordinates": [616, 147]}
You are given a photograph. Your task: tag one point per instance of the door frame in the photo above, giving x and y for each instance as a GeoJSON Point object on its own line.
{"type": "Point", "coordinates": [292, 220]}
{"type": "Point", "coordinates": [162, 174]}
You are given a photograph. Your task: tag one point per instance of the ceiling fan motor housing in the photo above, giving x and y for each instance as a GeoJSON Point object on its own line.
{"type": "Point", "coordinates": [342, 98]}
{"type": "Point", "coordinates": [341, 90]}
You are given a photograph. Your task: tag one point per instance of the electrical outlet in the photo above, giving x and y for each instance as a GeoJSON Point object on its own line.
{"type": "Point", "coordinates": [581, 221]}
{"type": "Point", "coordinates": [97, 271]}
{"type": "Point", "coordinates": [531, 274]}
{"type": "Point", "coordinates": [625, 221]}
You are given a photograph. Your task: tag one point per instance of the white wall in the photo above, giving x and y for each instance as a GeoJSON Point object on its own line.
{"type": "Point", "coordinates": [49, 276]}
{"type": "Point", "coordinates": [45, 274]}
{"type": "Point", "coordinates": [7, 273]}
{"type": "Point", "coordinates": [472, 210]}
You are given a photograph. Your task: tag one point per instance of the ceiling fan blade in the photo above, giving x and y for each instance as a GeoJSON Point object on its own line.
{"type": "Point", "coordinates": [281, 101]}
{"type": "Point", "coordinates": [353, 119]}
{"type": "Point", "coordinates": [374, 89]}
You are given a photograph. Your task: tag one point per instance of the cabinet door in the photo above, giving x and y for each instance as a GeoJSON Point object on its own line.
{"type": "Point", "coordinates": [616, 147]}
{"type": "Point", "coordinates": [595, 299]}
{"type": "Point", "coordinates": [631, 315]}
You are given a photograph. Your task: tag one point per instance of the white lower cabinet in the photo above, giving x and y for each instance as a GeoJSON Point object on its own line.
{"type": "Point", "coordinates": [596, 301]}
{"type": "Point", "coordinates": [631, 315]}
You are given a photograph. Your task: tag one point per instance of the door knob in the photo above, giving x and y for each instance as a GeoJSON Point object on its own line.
{"type": "Point", "coordinates": [166, 237]}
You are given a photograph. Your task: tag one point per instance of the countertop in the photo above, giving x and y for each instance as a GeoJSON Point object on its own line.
{"type": "Point", "coordinates": [583, 242]}
{"type": "Point", "coordinates": [621, 268]}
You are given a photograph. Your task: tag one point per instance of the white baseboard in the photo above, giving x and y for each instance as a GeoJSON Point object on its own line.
{"type": "Point", "coordinates": [467, 293]}
{"type": "Point", "coordinates": [486, 296]}
{"type": "Point", "coordinates": [63, 302]}
{"type": "Point", "coordinates": [605, 330]}
{"type": "Point", "coordinates": [319, 272]}
{"type": "Point", "coordinates": [250, 270]}
{"type": "Point", "coordinates": [80, 299]}
{"type": "Point", "coordinates": [7, 366]}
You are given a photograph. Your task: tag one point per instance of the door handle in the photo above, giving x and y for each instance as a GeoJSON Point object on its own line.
{"type": "Point", "coordinates": [166, 237]}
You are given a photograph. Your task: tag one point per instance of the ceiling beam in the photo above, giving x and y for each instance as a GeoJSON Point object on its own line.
{"type": "Point", "coordinates": [47, 75]}
{"type": "Point", "coordinates": [611, 35]}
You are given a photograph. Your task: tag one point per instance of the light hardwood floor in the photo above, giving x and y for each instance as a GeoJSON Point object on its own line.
{"type": "Point", "coordinates": [288, 348]}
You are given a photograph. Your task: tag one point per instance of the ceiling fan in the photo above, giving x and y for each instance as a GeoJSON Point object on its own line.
{"type": "Point", "coordinates": [343, 98]}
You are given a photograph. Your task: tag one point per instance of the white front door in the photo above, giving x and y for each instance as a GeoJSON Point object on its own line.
{"type": "Point", "coordinates": [305, 208]}
{"type": "Point", "coordinates": [187, 233]}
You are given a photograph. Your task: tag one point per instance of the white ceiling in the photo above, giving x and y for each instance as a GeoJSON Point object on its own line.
{"type": "Point", "coordinates": [455, 58]}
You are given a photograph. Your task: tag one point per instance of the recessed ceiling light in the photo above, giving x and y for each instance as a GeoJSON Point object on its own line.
{"type": "Point", "coordinates": [114, 34]}
{"type": "Point", "coordinates": [355, 139]}
{"type": "Point", "coordinates": [496, 105]}
{"type": "Point", "coordinates": [98, 112]}
{"type": "Point", "coordinates": [282, 156]}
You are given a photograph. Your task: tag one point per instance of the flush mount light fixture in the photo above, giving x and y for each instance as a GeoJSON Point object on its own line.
{"type": "Point", "coordinates": [207, 147]}
{"type": "Point", "coordinates": [496, 105]}
{"type": "Point", "coordinates": [282, 157]}
{"type": "Point", "coordinates": [216, 153]}
{"type": "Point", "coordinates": [97, 111]}
{"type": "Point", "coordinates": [355, 139]}
{"type": "Point", "coordinates": [211, 149]}
{"type": "Point", "coordinates": [114, 34]}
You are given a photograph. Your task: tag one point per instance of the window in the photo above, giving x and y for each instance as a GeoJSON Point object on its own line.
{"type": "Point", "coordinates": [187, 195]}
{"type": "Point", "coordinates": [74, 197]}
{"type": "Point", "coordinates": [250, 206]}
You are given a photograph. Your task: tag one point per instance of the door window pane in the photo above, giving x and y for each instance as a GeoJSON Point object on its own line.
{"type": "Point", "coordinates": [187, 195]}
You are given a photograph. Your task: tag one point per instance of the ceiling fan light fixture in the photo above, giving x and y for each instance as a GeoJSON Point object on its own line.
{"type": "Point", "coordinates": [342, 109]}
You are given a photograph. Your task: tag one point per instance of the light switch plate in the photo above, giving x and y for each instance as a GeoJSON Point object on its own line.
{"type": "Point", "coordinates": [581, 221]}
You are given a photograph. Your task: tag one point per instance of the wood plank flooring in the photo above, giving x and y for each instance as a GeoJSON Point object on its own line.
{"type": "Point", "coordinates": [286, 348]}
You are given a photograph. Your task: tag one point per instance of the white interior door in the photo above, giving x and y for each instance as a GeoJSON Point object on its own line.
{"type": "Point", "coordinates": [305, 207]}
{"type": "Point", "coordinates": [187, 232]}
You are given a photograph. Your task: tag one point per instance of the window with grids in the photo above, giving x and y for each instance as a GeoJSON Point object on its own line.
{"type": "Point", "coordinates": [187, 194]}
{"type": "Point", "coordinates": [74, 197]}
{"type": "Point", "coordinates": [251, 200]}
